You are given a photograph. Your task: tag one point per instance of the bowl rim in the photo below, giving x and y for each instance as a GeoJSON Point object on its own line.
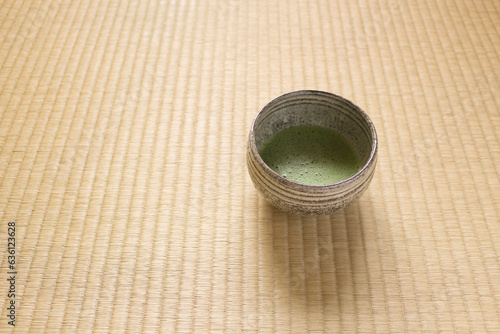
{"type": "Point", "coordinates": [303, 186]}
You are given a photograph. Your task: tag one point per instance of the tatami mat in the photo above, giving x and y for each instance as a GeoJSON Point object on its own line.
{"type": "Point", "coordinates": [123, 128]}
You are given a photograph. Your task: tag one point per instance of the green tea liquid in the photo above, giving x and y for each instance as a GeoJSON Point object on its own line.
{"type": "Point", "coordinates": [310, 154]}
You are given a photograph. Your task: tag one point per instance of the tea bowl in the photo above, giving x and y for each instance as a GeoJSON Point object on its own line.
{"type": "Point", "coordinates": [312, 108]}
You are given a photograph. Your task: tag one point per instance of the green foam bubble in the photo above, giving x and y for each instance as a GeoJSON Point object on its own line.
{"type": "Point", "coordinates": [310, 154]}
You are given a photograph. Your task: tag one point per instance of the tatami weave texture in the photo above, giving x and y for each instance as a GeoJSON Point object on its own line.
{"type": "Point", "coordinates": [123, 127]}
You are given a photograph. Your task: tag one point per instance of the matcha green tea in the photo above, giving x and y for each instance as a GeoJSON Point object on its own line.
{"type": "Point", "coordinates": [310, 154]}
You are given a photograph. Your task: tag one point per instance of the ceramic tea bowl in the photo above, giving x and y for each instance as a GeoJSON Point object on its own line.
{"type": "Point", "coordinates": [311, 107]}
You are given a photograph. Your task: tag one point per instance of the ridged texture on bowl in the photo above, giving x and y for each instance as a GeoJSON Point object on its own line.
{"type": "Point", "coordinates": [306, 199]}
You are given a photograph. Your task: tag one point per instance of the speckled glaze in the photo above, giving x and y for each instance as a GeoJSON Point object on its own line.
{"type": "Point", "coordinates": [311, 107]}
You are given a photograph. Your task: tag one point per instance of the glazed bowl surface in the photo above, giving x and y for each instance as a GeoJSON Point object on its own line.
{"type": "Point", "coordinates": [319, 108]}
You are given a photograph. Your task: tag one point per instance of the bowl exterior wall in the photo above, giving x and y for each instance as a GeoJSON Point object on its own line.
{"type": "Point", "coordinates": [300, 198]}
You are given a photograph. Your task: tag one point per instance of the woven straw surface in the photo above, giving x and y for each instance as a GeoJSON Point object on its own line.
{"type": "Point", "coordinates": [123, 127]}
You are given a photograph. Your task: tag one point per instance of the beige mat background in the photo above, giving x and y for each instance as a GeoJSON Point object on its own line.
{"type": "Point", "coordinates": [122, 136]}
